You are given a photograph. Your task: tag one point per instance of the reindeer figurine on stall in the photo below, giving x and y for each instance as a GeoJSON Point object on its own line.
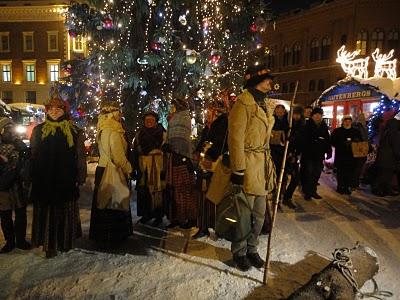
{"type": "Point", "coordinates": [353, 67]}
{"type": "Point", "coordinates": [384, 65]}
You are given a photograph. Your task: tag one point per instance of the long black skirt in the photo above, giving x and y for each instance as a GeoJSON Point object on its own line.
{"type": "Point", "coordinates": [56, 227]}
{"type": "Point", "coordinates": [108, 226]}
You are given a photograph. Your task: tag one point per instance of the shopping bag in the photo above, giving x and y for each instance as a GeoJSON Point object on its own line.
{"type": "Point", "coordinates": [360, 149]}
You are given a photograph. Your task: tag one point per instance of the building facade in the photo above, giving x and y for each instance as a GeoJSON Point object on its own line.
{"type": "Point", "coordinates": [303, 44]}
{"type": "Point", "coordinates": [33, 45]}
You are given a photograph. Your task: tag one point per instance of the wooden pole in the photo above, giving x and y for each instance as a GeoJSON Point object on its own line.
{"type": "Point", "coordinates": [280, 179]}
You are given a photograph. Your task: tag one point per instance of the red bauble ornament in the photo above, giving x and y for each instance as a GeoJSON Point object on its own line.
{"type": "Point", "coordinates": [215, 58]}
{"type": "Point", "coordinates": [253, 27]}
{"type": "Point", "coordinates": [156, 46]}
{"type": "Point", "coordinates": [80, 111]}
{"type": "Point", "coordinates": [72, 33]}
{"type": "Point", "coordinates": [107, 23]}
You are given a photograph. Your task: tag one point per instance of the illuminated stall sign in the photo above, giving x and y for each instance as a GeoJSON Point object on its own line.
{"type": "Point", "coordinates": [349, 96]}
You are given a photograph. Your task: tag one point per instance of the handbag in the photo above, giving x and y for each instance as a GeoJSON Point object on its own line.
{"type": "Point", "coordinates": [234, 218]}
{"type": "Point", "coordinates": [360, 149]}
{"type": "Point", "coordinates": [113, 192]}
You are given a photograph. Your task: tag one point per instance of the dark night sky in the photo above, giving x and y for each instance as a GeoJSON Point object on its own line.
{"type": "Point", "coordinates": [278, 6]}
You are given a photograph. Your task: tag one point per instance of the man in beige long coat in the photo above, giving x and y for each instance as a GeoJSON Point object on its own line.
{"type": "Point", "coordinates": [250, 125]}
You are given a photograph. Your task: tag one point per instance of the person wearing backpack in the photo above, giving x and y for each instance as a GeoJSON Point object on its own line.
{"type": "Point", "coordinates": [11, 191]}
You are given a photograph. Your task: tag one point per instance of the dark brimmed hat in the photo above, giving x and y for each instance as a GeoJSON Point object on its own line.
{"type": "Point", "coordinates": [317, 110]}
{"type": "Point", "coordinates": [256, 74]}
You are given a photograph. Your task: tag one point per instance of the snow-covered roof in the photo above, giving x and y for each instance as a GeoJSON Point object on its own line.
{"type": "Point", "coordinates": [387, 86]}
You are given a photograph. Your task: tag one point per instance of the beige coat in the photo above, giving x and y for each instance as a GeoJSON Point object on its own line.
{"type": "Point", "coordinates": [112, 145]}
{"type": "Point", "coordinates": [249, 133]}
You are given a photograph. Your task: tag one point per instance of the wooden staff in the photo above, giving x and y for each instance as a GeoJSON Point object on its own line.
{"type": "Point", "coordinates": [281, 172]}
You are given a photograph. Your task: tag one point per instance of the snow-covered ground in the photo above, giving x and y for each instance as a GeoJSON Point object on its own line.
{"type": "Point", "coordinates": [160, 264]}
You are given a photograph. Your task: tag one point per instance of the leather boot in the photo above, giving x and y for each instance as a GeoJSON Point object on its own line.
{"type": "Point", "coordinates": [242, 262]}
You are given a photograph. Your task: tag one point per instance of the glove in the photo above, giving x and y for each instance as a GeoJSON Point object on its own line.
{"type": "Point", "coordinates": [166, 148]}
{"type": "Point", "coordinates": [237, 177]}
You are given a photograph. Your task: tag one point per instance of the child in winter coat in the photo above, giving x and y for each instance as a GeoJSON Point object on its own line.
{"type": "Point", "coordinates": [11, 194]}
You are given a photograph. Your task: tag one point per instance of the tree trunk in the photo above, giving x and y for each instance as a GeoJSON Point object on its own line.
{"type": "Point", "coordinates": [331, 284]}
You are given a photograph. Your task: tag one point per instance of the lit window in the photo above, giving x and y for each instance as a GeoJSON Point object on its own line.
{"type": "Point", "coordinates": [361, 44]}
{"type": "Point", "coordinates": [28, 41]}
{"type": "Point", "coordinates": [54, 72]}
{"type": "Point", "coordinates": [377, 39]}
{"type": "Point", "coordinates": [52, 41]}
{"type": "Point", "coordinates": [6, 70]}
{"type": "Point", "coordinates": [4, 42]}
{"type": "Point", "coordinates": [30, 72]}
{"type": "Point", "coordinates": [78, 44]}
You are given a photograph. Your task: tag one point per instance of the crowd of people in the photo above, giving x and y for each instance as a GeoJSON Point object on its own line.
{"type": "Point", "coordinates": [240, 149]}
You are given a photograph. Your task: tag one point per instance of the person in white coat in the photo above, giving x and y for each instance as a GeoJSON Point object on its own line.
{"type": "Point", "coordinates": [111, 220]}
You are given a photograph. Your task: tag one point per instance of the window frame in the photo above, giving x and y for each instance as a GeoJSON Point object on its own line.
{"type": "Point", "coordinates": [362, 41]}
{"type": "Point", "coordinates": [26, 34]}
{"type": "Point", "coordinates": [296, 53]}
{"type": "Point", "coordinates": [6, 100]}
{"type": "Point", "coordinates": [52, 62]}
{"type": "Point", "coordinates": [314, 50]}
{"type": "Point", "coordinates": [75, 40]}
{"type": "Point", "coordinates": [311, 85]}
{"type": "Point", "coordinates": [26, 97]}
{"type": "Point", "coordinates": [2, 64]}
{"type": "Point", "coordinates": [49, 35]}
{"type": "Point", "coordinates": [326, 44]}
{"type": "Point", "coordinates": [2, 35]}
{"type": "Point", "coordinates": [27, 63]}
{"type": "Point", "coordinates": [377, 39]}
{"type": "Point", "coordinates": [286, 56]}
{"type": "Point", "coordinates": [393, 39]}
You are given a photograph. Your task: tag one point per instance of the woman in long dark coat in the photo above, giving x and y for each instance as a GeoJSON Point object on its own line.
{"type": "Point", "coordinates": [345, 163]}
{"type": "Point", "coordinates": [58, 168]}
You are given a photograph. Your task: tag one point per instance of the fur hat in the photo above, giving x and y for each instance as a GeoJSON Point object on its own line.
{"type": "Point", "coordinates": [317, 110]}
{"type": "Point", "coordinates": [256, 74]}
{"type": "Point", "coordinates": [347, 117]}
{"type": "Point", "coordinates": [109, 107]}
{"type": "Point", "coordinates": [57, 102]}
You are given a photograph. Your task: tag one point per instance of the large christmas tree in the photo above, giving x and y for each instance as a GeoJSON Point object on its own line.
{"type": "Point", "coordinates": [145, 52]}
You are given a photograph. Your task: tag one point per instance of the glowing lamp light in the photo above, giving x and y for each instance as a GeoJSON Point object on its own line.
{"type": "Point", "coordinates": [20, 129]}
